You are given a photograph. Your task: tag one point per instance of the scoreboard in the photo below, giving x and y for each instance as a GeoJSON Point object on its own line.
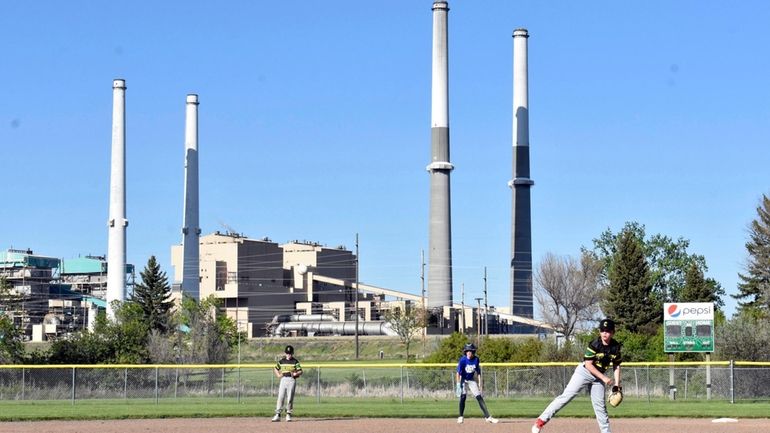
{"type": "Point", "coordinates": [689, 327]}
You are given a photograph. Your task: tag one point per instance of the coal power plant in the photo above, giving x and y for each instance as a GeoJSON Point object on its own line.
{"type": "Point", "coordinates": [300, 287]}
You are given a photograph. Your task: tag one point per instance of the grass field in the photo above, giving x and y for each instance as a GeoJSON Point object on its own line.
{"type": "Point", "coordinates": [358, 407]}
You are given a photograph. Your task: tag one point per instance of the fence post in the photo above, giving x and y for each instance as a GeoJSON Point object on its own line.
{"type": "Point", "coordinates": [239, 383]}
{"type": "Point", "coordinates": [708, 377]}
{"type": "Point", "coordinates": [732, 381]}
{"type": "Point", "coordinates": [223, 383]}
{"type": "Point", "coordinates": [507, 383]}
{"type": "Point", "coordinates": [125, 383]}
{"type": "Point", "coordinates": [671, 385]}
{"type": "Point", "coordinates": [402, 384]}
{"type": "Point", "coordinates": [73, 385]}
{"type": "Point", "coordinates": [685, 383]}
{"type": "Point", "coordinates": [363, 372]}
{"type": "Point", "coordinates": [157, 391]}
{"type": "Point", "coordinates": [23, 383]}
{"type": "Point", "coordinates": [176, 380]}
{"type": "Point", "coordinates": [647, 385]}
{"type": "Point", "coordinates": [636, 382]}
{"type": "Point", "coordinates": [564, 376]}
{"type": "Point", "coordinates": [318, 385]}
{"type": "Point", "coordinates": [494, 376]}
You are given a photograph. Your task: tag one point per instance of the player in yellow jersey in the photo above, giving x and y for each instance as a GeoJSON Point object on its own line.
{"type": "Point", "coordinates": [288, 369]}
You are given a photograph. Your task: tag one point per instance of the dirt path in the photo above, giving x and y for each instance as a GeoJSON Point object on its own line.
{"type": "Point", "coordinates": [380, 425]}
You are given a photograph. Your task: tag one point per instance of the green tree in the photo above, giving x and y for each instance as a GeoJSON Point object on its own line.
{"type": "Point", "coordinates": [406, 323]}
{"type": "Point", "coordinates": [745, 337]}
{"type": "Point", "coordinates": [667, 260]}
{"type": "Point", "coordinates": [450, 349]}
{"type": "Point", "coordinates": [699, 289]}
{"type": "Point", "coordinates": [641, 347]}
{"type": "Point", "coordinates": [529, 350]}
{"type": "Point", "coordinates": [496, 349]}
{"type": "Point", "coordinates": [11, 346]}
{"type": "Point", "coordinates": [206, 335]}
{"type": "Point", "coordinates": [630, 299]}
{"type": "Point", "coordinates": [754, 285]}
{"type": "Point", "coordinates": [121, 341]}
{"type": "Point", "coordinates": [153, 295]}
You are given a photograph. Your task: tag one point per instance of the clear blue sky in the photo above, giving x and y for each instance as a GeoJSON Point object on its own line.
{"type": "Point", "coordinates": [315, 124]}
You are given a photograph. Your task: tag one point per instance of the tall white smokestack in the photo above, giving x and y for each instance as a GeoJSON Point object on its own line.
{"type": "Point", "coordinates": [190, 225]}
{"type": "Point", "coordinates": [440, 227]}
{"type": "Point", "coordinates": [521, 224]}
{"type": "Point", "coordinates": [116, 247]}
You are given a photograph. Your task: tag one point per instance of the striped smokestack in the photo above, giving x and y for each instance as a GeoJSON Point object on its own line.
{"type": "Point", "coordinates": [190, 225]}
{"type": "Point", "coordinates": [440, 229]}
{"type": "Point", "coordinates": [521, 225]}
{"type": "Point", "coordinates": [116, 244]}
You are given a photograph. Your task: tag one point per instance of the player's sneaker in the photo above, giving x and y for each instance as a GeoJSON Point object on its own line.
{"type": "Point", "coordinates": [539, 423]}
{"type": "Point", "coordinates": [489, 419]}
{"type": "Point", "coordinates": [276, 418]}
{"type": "Point", "coordinates": [288, 417]}
{"type": "Point", "coordinates": [459, 420]}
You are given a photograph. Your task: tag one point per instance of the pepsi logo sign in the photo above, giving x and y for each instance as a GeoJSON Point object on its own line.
{"type": "Point", "coordinates": [689, 311]}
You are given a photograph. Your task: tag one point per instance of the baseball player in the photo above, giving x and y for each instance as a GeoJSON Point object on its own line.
{"type": "Point", "coordinates": [468, 369]}
{"type": "Point", "coordinates": [288, 369]}
{"type": "Point", "coordinates": [600, 354]}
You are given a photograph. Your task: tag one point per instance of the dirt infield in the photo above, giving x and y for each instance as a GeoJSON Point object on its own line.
{"type": "Point", "coordinates": [377, 425]}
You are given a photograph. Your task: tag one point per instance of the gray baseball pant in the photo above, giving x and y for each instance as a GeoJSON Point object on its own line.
{"type": "Point", "coordinates": [580, 379]}
{"type": "Point", "coordinates": [473, 387]}
{"type": "Point", "coordinates": [286, 392]}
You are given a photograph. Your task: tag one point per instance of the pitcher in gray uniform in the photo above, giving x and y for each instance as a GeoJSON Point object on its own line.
{"type": "Point", "coordinates": [600, 354]}
{"type": "Point", "coordinates": [288, 369]}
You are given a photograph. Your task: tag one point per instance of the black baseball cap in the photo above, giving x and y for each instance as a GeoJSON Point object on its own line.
{"type": "Point", "coordinates": [289, 349]}
{"type": "Point", "coordinates": [607, 325]}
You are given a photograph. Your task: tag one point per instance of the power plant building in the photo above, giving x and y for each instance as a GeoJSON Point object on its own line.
{"type": "Point", "coordinates": [49, 297]}
{"type": "Point", "coordinates": [261, 282]}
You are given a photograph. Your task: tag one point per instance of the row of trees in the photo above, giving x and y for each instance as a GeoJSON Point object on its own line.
{"type": "Point", "coordinates": [146, 329]}
{"type": "Point", "coordinates": [629, 275]}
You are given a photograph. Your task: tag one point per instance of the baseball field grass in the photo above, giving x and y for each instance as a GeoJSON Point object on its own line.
{"type": "Point", "coordinates": [361, 407]}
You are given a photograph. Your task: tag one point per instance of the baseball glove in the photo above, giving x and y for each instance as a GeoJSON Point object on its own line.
{"type": "Point", "coordinates": [616, 396]}
{"type": "Point", "coordinates": [459, 389]}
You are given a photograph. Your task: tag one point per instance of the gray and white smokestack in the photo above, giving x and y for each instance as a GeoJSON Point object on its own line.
{"type": "Point", "coordinates": [521, 226]}
{"type": "Point", "coordinates": [440, 227]}
{"type": "Point", "coordinates": [116, 247]}
{"type": "Point", "coordinates": [190, 225]}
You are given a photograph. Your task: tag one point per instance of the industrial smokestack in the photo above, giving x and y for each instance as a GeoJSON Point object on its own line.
{"type": "Point", "coordinates": [521, 226]}
{"type": "Point", "coordinates": [440, 228]}
{"type": "Point", "coordinates": [190, 225]}
{"type": "Point", "coordinates": [116, 247]}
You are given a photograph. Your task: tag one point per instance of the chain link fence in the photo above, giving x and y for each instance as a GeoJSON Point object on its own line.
{"type": "Point", "coordinates": [728, 381]}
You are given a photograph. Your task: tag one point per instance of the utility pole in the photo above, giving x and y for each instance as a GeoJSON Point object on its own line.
{"type": "Point", "coordinates": [478, 322]}
{"type": "Point", "coordinates": [486, 305]}
{"type": "Point", "coordinates": [424, 308]}
{"type": "Point", "coordinates": [462, 303]}
{"type": "Point", "coordinates": [355, 302]}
